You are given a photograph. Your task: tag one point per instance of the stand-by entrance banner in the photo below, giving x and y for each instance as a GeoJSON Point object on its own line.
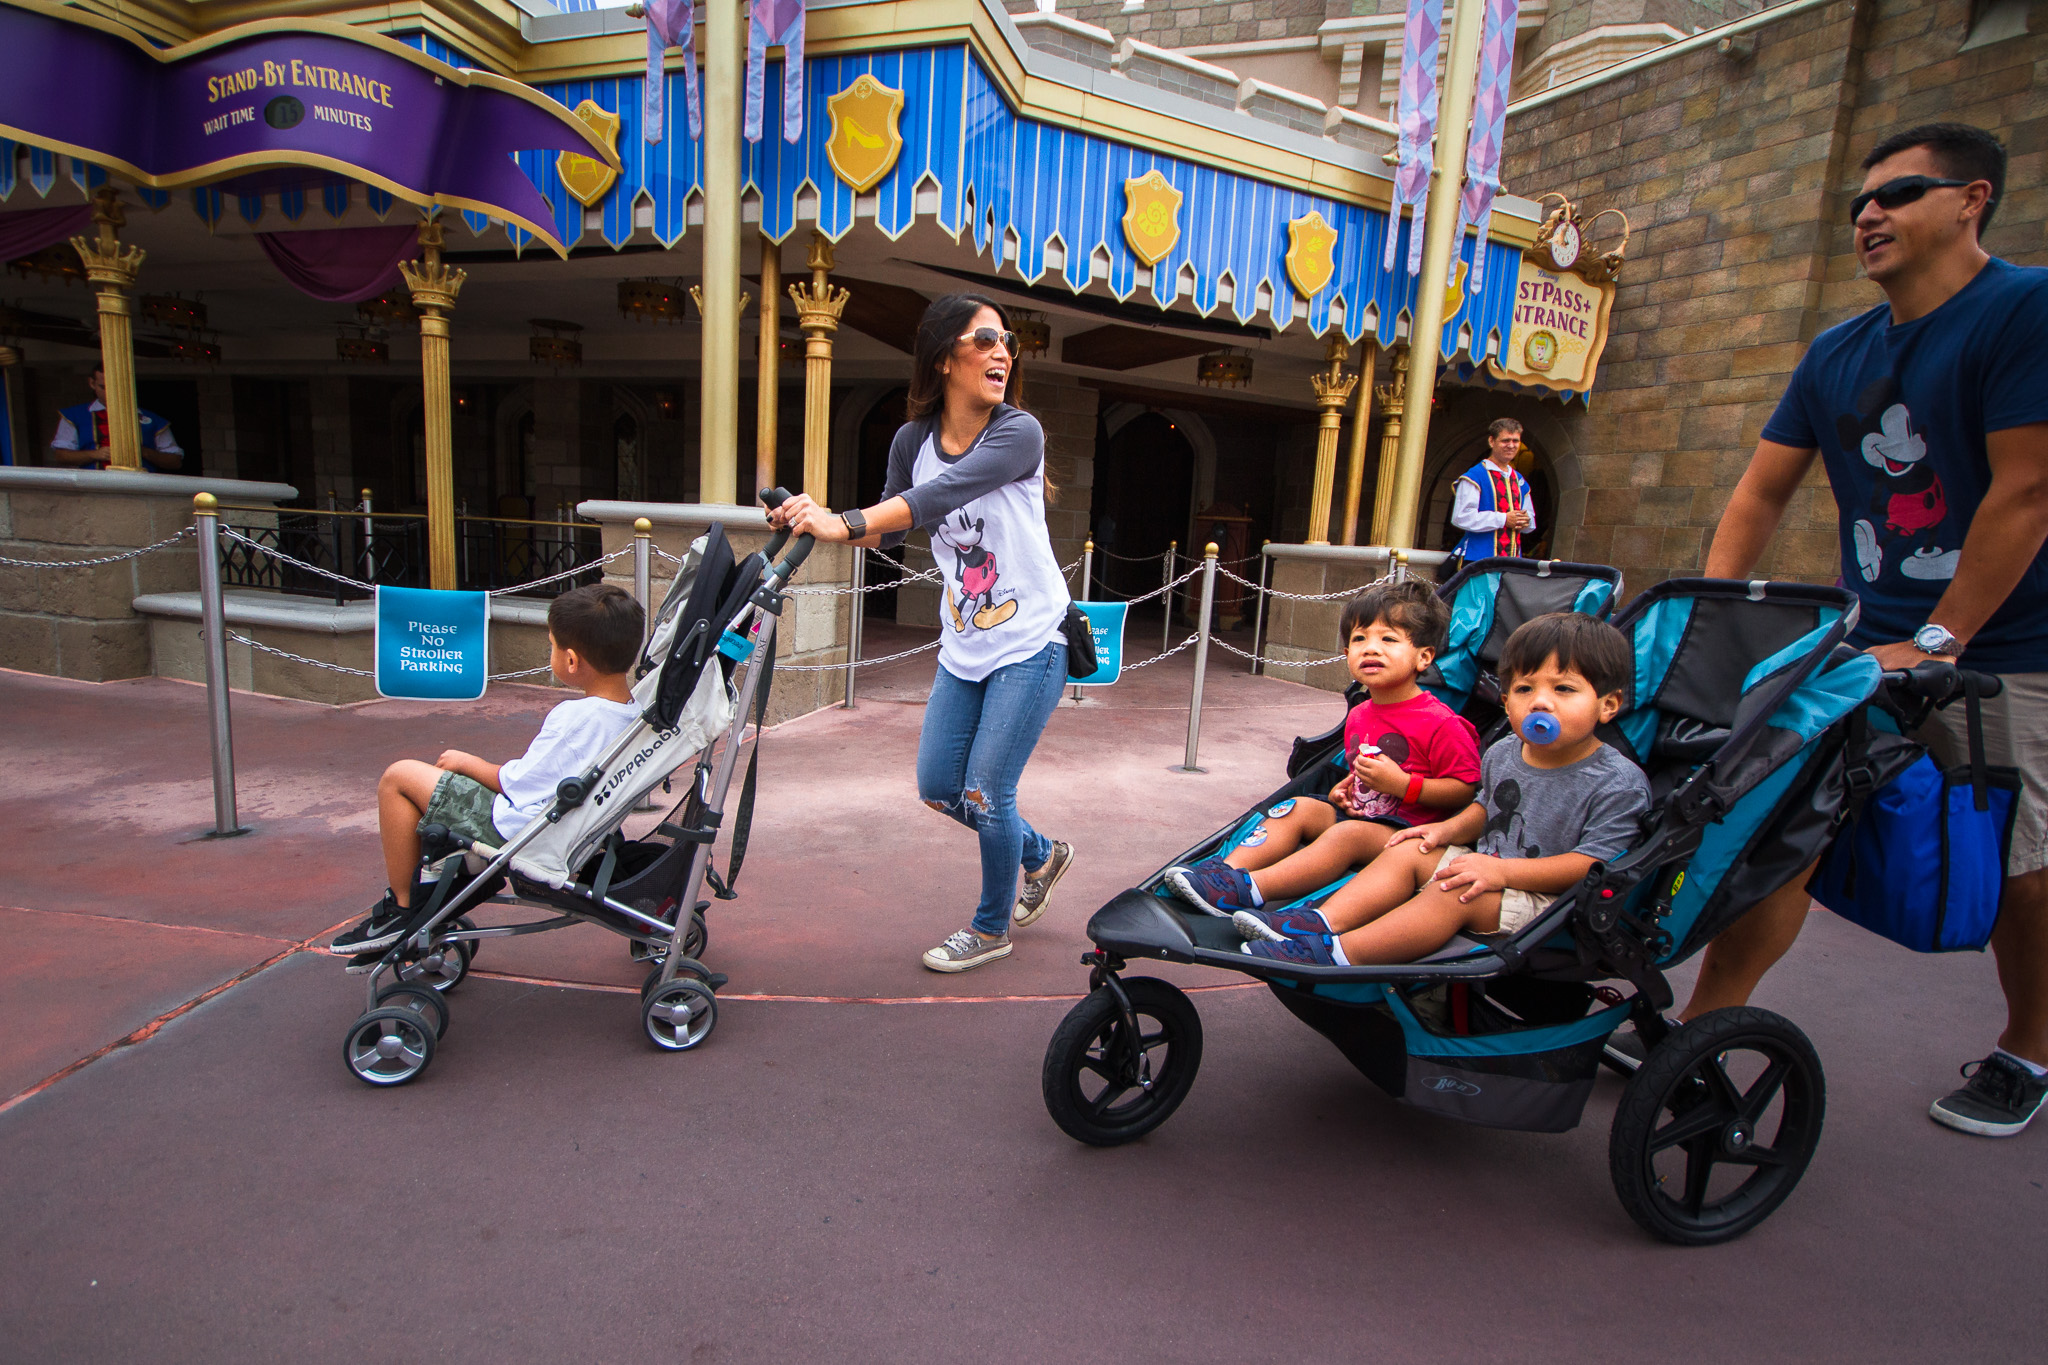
{"type": "Point", "coordinates": [1106, 623]}
{"type": "Point", "coordinates": [280, 93]}
{"type": "Point", "coordinates": [433, 646]}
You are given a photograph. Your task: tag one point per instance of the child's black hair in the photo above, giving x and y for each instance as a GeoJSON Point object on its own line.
{"type": "Point", "coordinates": [1582, 644]}
{"type": "Point", "coordinates": [601, 622]}
{"type": "Point", "coordinates": [1410, 606]}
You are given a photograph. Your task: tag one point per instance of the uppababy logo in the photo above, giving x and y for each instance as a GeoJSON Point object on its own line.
{"type": "Point", "coordinates": [1450, 1083]}
{"type": "Point", "coordinates": [640, 760]}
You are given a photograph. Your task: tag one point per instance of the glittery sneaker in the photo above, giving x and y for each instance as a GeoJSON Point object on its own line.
{"type": "Point", "coordinates": [1313, 950]}
{"type": "Point", "coordinates": [967, 950]}
{"type": "Point", "coordinates": [2000, 1099]}
{"type": "Point", "coordinates": [1275, 925]}
{"type": "Point", "coordinates": [1037, 891]}
{"type": "Point", "coordinates": [1214, 887]}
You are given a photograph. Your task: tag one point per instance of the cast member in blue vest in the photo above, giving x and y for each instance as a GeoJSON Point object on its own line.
{"type": "Point", "coordinates": [81, 439]}
{"type": "Point", "coordinates": [1490, 502]}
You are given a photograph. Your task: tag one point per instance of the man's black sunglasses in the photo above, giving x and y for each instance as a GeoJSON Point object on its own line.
{"type": "Point", "coordinates": [1896, 194]}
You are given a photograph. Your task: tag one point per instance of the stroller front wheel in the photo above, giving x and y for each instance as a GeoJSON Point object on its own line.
{"type": "Point", "coordinates": [391, 1045]}
{"type": "Point", "coordinates": [1104, 1087]}
{"type": "Point", "coordinates": [680, 1015]}
{"type": "Point", "coordinates": [1718, 1126]}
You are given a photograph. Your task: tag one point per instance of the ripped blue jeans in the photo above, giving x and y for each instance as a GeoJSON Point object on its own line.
{"type": "Point", "coordinates": [977, 738]}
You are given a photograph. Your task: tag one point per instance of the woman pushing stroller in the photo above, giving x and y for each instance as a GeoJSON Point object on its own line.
{"type": "Point", "coordinates": [969, 466]}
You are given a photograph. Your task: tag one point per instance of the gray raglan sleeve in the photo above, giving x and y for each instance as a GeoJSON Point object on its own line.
{"type": "Point", "coordinates": [1613, 811]}
{"type": "Point", "coordinates": [1011, 452]}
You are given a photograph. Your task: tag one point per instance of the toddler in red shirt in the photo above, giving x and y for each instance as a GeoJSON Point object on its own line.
{"type": "Point", "coordinates": [1413, 761]}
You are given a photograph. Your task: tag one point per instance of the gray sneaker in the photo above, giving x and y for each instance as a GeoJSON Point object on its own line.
{"type": "Point", "coordinates": [1037, 892]}
{"type": "Point", "coordinates": [967, 950]}
{"type": "Point", "coordinates": [2001, 1098]}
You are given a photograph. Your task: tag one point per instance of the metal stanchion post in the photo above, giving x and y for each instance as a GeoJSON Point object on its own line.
{"type": "Point", "coordinates": [854, 624]}
{"type": "Point", "coordinates": [1166, 598]}
{"type": "Point", "coordinates": [1087, 577]}
{"type": "Point", "coordinates": [1259, 612]}
{"type": "Point", "coordinates": [643, 532]}
{"type": "Point", "coordinates": [1400, 566]}
{"type": "Point", "coordinates": [206, 520]}
{"type": "Point", "coordinates": [1201, 657]}
{"type": "Point", "coordinates": [369, 542]}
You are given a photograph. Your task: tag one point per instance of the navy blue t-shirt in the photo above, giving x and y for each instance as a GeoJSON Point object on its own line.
{"type": "Point", "coordinates": [1899, 414]}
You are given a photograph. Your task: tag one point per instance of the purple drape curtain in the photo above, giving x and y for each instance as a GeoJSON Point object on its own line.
{"type": "Point", "coordinates": [341, 265]}
{"type": "Point", "coordinates": [29, 231]}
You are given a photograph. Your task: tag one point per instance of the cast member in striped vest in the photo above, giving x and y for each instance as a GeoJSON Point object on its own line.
{"type": "Point", "coordinates": [81, 440]}
{"type": "Point", "coordinates": [1490, 502]}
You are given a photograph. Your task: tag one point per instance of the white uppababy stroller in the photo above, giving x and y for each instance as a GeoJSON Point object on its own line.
{"type": "Point", "coordinates": [719, 616]}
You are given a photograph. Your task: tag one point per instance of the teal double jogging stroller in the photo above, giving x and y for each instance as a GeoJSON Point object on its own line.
{"type": "Point", "coordinates": [1744, 712]}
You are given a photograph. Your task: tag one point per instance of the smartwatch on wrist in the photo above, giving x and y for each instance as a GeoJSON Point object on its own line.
{"type": "Point", "coordinates": [856, 524]}
{"type": "Point", "coordinates": [1939, 641]}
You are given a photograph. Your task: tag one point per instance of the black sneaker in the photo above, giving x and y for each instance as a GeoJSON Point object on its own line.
{"type": "Point", "coordinates": [363, 962]}
{"type": "Point", "coordinates": [2000, 1099]}
{"type": "Point", "coordinates": [1626, 1050]}
{"type": "Point", "coordinates": [385, 926]}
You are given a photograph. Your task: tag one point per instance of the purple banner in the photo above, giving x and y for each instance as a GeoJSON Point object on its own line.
{"type": "Point", "coordinates": [275, 94]}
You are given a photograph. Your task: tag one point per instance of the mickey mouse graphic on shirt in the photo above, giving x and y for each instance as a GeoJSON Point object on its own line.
{"type": "Point", "coordinates": [978, 576]}
{"type": "Point", "coordinates": [1507, 804]}
{"type": "Point", "coordinates": [1907, 505]}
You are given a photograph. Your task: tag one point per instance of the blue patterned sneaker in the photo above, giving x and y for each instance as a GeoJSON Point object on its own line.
{"type": "Point", "coordinates": [1314, 950]}
{"type": "Point", "coordinates": [1273, 926]}
{"type": "Point", "coordinates": [1213, 886]}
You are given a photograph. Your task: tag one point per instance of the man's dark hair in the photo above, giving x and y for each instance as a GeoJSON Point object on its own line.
{"type": "Point", "coordinates": [1502, 424]}
{"type": "Point", "coordinates": [1408, 606]}
{"type": "Point", "coordinates": [1581, 644]}
{"type": "Point", "coordinates": [1962, 152]}
{"type": "Point", "coordinates": [601, 622]}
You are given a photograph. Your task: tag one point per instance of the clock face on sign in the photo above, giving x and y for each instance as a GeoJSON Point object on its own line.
{"type": "Point", "coordinates": [1564, 245]}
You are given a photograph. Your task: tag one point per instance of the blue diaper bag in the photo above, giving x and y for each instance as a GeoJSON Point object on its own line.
{"type": "Point", "coordinates": [1922, 862]}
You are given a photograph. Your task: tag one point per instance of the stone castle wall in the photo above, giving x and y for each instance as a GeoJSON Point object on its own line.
{"type": "Point", "coordinates": [1736, 171]}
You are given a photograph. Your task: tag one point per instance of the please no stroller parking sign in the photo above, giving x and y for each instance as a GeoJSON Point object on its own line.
{"type": "Point", "coordinates": [432, 646]}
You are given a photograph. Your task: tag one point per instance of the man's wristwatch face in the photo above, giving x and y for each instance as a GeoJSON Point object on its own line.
{"type": "Point", "coordinates": [1936, 640]}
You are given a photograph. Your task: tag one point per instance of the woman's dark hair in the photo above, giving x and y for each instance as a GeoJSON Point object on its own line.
{"type": "Point", "coordinates": [601, 622]}
{"type": "Point", "coordinates": [1961, 150]}
{"type": "Point", "coordinates": [1581, 644]}
{"type": "Point", "coordinates": [1408, 606]}
{"type": "Point", "coordinates": [945, 322]}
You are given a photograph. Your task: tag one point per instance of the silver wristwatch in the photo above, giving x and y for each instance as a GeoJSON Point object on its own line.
{"type": "Point", "coordinates": [1939, 641]}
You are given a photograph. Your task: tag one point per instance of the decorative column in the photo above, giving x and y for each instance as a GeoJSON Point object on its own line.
{"type": "Point", "coordinates": [768, 380]}
{"type": "Point", "coordinates": [434, 287]}
{"type": "Point", "coordinates": [818, 306]}
{"type": "Point", "coordinates": [1333, 390]}
{"type": "Point", "coordinates": [112, 269]}
{"type": "Point", "coordinates": [1354, 485]}
{"type": "Point", "coordinates": [1393, 398]}
{"type": "Point", "coordinates": [1441, 235]}
{"type": "Point", "coordinates": [719, 434]}
{"type": "Point", "coordinates": [10, 402]}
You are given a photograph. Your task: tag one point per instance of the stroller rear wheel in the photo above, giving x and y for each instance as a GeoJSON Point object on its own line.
{"type": "Point", "coordinates": [445, 964]}
{"type": "Point", "coordinates": [1104, 1087]}
{"type": "Point", "coordinates": [389, 1046]}
{"type": "Point", "coordinates": [680, 1015]}
{"type": "Point", "coordinates": [1718, 1126]}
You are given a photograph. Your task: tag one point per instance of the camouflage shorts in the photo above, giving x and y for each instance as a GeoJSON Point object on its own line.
{"type": "Point", "coordinates": [463, 804]}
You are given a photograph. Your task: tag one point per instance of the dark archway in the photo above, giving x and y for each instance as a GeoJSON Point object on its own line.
{"type": "Point", "coordinates": [877, 430]}
{"type": "Point", "coordinates": [1144, 490]}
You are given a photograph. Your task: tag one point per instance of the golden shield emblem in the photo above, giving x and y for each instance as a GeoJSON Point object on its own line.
{"type": "Point", "coordinates": [1151, 217]}
{"type": "Point", "coordinates": [1454, 292]}
{"type": "Point", "coordinates": [1311, 254]}
{"type": "Point", "coordinates": [864, 142]}
{"type": "Point", "coordinates": [585, 176]}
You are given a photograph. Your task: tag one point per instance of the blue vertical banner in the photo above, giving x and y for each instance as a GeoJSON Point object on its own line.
{"type": "Point", "coordinates": [1106, 623]}
{"type": "Point", "coordinates": [433, 646]}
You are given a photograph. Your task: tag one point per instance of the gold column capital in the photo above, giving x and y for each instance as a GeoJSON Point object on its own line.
{"type": "Point", "coordinates": [1393, 395]}
{"type": "Point", "coordinates": [818, 306]}
{"type": "Point", "coordinates": [697, 297]}
{"type": "Point", "coordinates": [1333, 391]}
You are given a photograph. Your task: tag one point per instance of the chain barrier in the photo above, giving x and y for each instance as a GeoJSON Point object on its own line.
{"type": "Point", "coordinates": [857, 663]}
{"type": "Point", "coordinates": [1147, 663]}
{"type": "Point", "coordinates": [230, 533]}
{"type": "Point", "coordinates": [1270, 662]}
{"type": "Point", "coordinates": [1304, 596]}
{"type": "Point", "coordinates": [597, 563]}
{"type": "Point", "coordinates": [166, 542]}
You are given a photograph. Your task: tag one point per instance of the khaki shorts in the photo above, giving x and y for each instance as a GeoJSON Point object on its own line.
{"type": "Point", "coordinates": [2015, 736]}
{"type": "Point", "coordinates": [463, 804]}
{"type": "Point", "coordinates": [1517, 907]}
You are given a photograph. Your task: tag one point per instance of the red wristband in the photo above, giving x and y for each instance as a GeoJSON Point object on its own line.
{"type": "Point", "coordinates": [1414, 796]}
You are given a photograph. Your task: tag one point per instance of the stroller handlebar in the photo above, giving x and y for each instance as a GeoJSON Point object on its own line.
{"type": "Point", "coordinates": [1939, 682]}
{"type": "Point", "coordinates": [784, 571]}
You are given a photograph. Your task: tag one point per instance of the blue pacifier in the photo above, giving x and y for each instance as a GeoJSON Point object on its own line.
{"type": "Point", "coordinates": [1540, 727]}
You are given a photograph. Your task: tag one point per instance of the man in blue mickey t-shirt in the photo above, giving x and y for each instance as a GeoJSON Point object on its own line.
{"type": "Point", "coordinates": [1931, 414]}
